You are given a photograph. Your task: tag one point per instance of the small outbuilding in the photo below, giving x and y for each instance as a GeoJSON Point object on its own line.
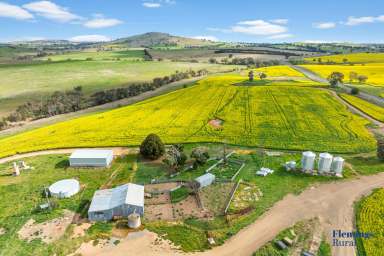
{"type": "Point", "coordinates": [64, 188]}
{"type": "Point", "coordinates": [91, 158]}
{"type": "Point", "coordinates": [119, 201]}
{"type": "Point", "coordinates": [205, 180]}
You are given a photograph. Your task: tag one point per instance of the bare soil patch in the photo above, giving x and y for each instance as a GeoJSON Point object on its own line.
{"type": "Point", "coordinates": [48, 231]}
{"type": "Point", "coordinates": [80, 229]}
{"type": "Point", "coordinates": [216, 123]}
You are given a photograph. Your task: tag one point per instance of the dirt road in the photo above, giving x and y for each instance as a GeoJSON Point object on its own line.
{"type": "Point", "coordinates": [332, 203]}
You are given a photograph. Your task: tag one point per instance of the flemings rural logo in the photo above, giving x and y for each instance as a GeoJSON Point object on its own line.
{"type": "Point", "coordinates": [348, 238]}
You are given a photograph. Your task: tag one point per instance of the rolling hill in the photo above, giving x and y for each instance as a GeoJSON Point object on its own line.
{"type": "Point", "coordinates": [157, 39]}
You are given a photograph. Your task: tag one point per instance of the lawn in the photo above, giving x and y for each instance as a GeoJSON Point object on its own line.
{"type": "Point", "coordinates": [370, 109]}
{"type": "Point", "coordinates": [27, 189]}
{"type": "Point", "coordinates": [30, 81]}
{"type": "Point", "coordinates": [284, 117]}
{"type": "Point", "coordinates": [351, 58]}
{"type": "Point", "coordinates": [369, 219]}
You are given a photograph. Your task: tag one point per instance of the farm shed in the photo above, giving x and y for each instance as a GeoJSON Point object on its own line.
{"type": "Point", "coordinates": [119, 201]}
{"type": "Point", "coordinates": [206, 179]}
{"type": "Point", "coordinates": [64, 188]}
{"type": "Point", "coordinates": [91, 158]}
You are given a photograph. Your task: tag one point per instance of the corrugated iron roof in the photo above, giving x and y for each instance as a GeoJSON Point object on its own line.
{"type": "Point", "coordinates": [91, 153]}
{"type": "Point", "coordinates": [131, 194]}
{"type": "Point", "coordinates": [207, 176]}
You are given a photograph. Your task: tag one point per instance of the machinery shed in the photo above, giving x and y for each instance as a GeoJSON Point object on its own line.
{"type": "Point", "coordinates": [119, 201]}
{"type": "Point", "coordinates": [91, 158]}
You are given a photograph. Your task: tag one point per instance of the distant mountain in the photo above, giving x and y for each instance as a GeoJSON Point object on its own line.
{"type": "Point", "coordinates": [156, 39]}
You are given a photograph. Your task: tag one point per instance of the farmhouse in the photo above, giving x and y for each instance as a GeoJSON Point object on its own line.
{"type": "Point", "coordinates": [205, 180]}
{"type": "Point", "coordinates": [119, 201]}
{"type": "Point", "coordinates": [91, 158]}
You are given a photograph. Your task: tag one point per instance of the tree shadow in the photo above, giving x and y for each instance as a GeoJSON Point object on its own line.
{"type": "Point", "coordinates": [63, 164]}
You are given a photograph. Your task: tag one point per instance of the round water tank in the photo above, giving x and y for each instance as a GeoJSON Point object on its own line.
{"type": "Point", "coordinates": [308, 161]}
{"type": "Point", "coordinates": [64, 188]}
{"type": "Point", "coordinates": [325, 162]}
{"type": "Point", "coordinates": [337, 165]}
{"type": "Point", "coordinates": [134, 221]}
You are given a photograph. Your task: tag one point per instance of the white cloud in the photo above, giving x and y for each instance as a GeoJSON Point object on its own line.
{"type": "Point", "coordinates": [258, 27]}
{"type": "Point", "coordinates": [280, 36]}
{"type": "Point", "coordinates": [280, 21]}
{"type": "Point", "coordinates": [209, 38]}
{"type": "Point", "coordinates": [324, 25]}
{"type": "Point", "coordinates": [102, 23]}
{"type": "Point", "coordinates": [14, 11]}
{"type": "Point", "coordinates": [90, 38]}
{"type": "Point", "coordinates": [151, 5]}
{"type": "Point", "coordinates": [353, 21]}
{"type": "Point", "coordinates": [51, 11]}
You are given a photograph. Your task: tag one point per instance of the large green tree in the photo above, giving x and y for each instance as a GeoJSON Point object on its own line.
{"type": "Point", "coordinates": [152, 147]}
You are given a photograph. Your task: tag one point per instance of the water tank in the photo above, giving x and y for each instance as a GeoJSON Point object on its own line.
{"type": "Point", "coordinates": [134, 221]}
{"type": "Point", "coordinates": [308, 161]}
{"type": "Point", "coordinates": [337, 165]}
{"type": "Point", "coordinates": [64, 188]}
{"type": "Point", "coordinates": [325, 162]}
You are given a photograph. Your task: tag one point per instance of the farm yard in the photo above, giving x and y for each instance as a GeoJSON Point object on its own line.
{"type": "Point", "coordinates": [255, 193]}
{"type": "Point", "coordinates": [286, 117]}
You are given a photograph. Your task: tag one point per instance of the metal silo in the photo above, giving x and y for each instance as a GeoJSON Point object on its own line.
{"type": "Point", "coordinates": [325, 162]}
{"type": "Point", "coordinates": [337, 165]}
{"type": "Point", "coordinates": [308, 161]}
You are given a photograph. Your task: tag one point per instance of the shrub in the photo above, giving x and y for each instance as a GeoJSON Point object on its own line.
{"type": "Point", "coordinates": [200, 154]}
{"type": "Point", "coordinates": [355, 91]}
{"type": "Point", "coordinates": [152, 147]}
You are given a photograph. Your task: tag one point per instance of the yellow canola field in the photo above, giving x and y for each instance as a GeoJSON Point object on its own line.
{"type": "Point", "coordinates": [351, 58]}
{"type": "Point", "coordinates": [375, 73]}
{"type": "Point", "coordinates": [370, 109]}
{"type": "Point", "coordinates": [281, 117]}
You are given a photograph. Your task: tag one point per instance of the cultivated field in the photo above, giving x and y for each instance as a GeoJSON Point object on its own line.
{"type": "Point", "coordinates": [286, 117]}
{"type": "Point", "coordinates": [369, 219]}
{"type": "Point", "coordinates": [375, 73]}
{"type": "Point", "coordinates": [372, 110]}
{"type": "Point", "coordinates": [350, 58]}
{"type": "Point", "coordinates": [31, 81]}
{"type": "Point", "coordinates": [281, 71]}
{"type": "Point", "coordinates": [94, 54]}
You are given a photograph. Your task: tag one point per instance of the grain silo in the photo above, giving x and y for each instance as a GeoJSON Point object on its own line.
{"type": "Point", "coordinates": [337, 165]}
{"type": "Point", "coordinates": [325, 162]}
{"type": "Point", "coordinates": [308, 161]}
{"type": "Point", "coordinates": [134, 220]}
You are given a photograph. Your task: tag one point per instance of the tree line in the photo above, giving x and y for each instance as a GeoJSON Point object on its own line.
{"type": "Point", "coordinates": [61, 102]}
{"type": "Point", "coordinates": [249, 61]}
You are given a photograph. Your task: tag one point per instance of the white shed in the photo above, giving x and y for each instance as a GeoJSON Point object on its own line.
{"type": "Point", "coordinates": [91, 158]}
{"type": "Point", "coordinates": [206, 179]}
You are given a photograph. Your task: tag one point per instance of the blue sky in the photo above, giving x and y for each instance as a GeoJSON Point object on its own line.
{"type": "Point", "coordinates": [226, 20]}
